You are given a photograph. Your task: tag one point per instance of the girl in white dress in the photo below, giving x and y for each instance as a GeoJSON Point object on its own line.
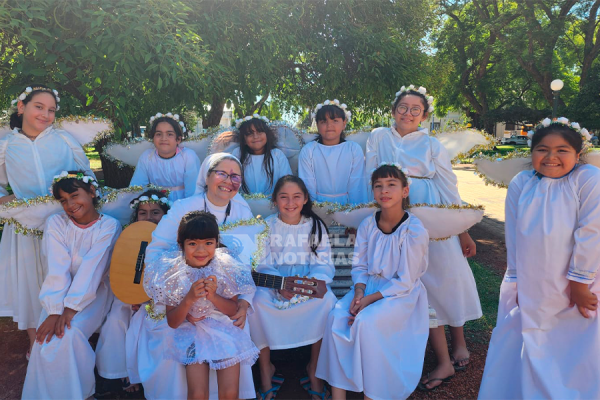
{"type": "Point", "coordinates": [546, 344]}
{"type": "Point", "coordinates": [331, 167]}
{"type": "Point", "coordinates": [217, 189]}
{"type": "Point", "coordinates": [376, 335]}
{"type": "Point", "coordinates": [195, 278]}
{"type": "Point", "coordinates": [449, 280]}
{"type": "Point", "coordinates": [263, 162]}
{"type": "Point", "coordinates": [111, 349]}
{"type": "Point", "coordinates": [168, 165]}
{"type": "Point", "coordinates": [75, 295]}
{"type": "Point", "coordinates": [30, 157]}
{"type": "Point", "coordinates": [297, 245]}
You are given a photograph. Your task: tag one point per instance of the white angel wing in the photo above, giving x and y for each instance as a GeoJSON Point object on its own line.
{"type": "Point", "coordinates": [200, 145]}
{"type": "Point", "coordinates": [223, 142]}
{"type": "Point", "coordinates": [592, 158]}
{"type": "Point", "coordinates": [465, 141]}
{"type": "Point", "coordinates": [4, 131]}
{"type": "Point", "coordinates": [128, 153]}
{"type": "Point", "coordinates": [324, 211]}
{"type": "Point", "coordinates": [84, 129]}
{"type": "Point", "coordinates": [499, 172]}
{"type": "Point", "coordinates": [260, 205]}
{"type": "Point", "coordinates": [443, 221]}
{"type": "Point", "coordinates": [115, 202]}
{"type": "Point", "coordinates": [308, 137]}
{"type": "Point", "coordinates": [354, 216]}
{"type": "Point", "coordinates": [245, 240]}
{"type": "Point", "coordinates": [289, 141]}
{"type": "Point", "coordinates": [359, 137]}
{"type": "Point", "coordinates": [29, 216]}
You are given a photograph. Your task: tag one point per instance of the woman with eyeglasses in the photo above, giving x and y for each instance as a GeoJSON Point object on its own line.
{"type": "Point", "coordinates": [450, 285]}
{"type": "Point", "coordinates": [217, 190]}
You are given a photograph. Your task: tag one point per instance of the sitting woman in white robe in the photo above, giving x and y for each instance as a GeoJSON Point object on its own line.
{"type": "Point", "coordinates": [75, 295]}
{"type": "Point", "coordinates": [263, 162]}
{"type": "Point", "coordinates": [547, 336]}
{"type": "Point", "coordinates": [297, 244]}
{"type": "Point", "coordinates": [376, 335]}
{"type": "Point", "coordinates": [331, 167]}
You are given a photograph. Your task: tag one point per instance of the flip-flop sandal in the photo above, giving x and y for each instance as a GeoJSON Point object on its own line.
{"type": "Point", "coordinates": [263, 395]}
{"type": "Point", "coordinates": [456, 363]}
{"type": "Point", "coordinates": [305, 383]}
{"type": "Point", "coordinates": [423, 386]}
{"type": "Point", "coordinates": [277, 379]}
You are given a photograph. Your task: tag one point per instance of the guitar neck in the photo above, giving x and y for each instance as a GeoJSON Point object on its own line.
{"type": "Point", "coordinates": [268, 281]}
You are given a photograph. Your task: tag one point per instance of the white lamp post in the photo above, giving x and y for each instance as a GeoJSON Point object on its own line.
{"type": "Point", "coordinates": [556, 85]}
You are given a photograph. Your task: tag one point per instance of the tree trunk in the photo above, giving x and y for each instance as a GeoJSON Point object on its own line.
{"type": "Point", "coordinates": [216, 112]}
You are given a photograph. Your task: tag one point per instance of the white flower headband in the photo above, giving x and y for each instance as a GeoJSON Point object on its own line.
{"type": "Point", "coordinates": [154, 199]}
{"type": "Point", "coordinates": [546, 122]}
{"type": "Point", "coordinates": [421, 90]}
{"type": "Point", "coordinates": [334, 102]}
{"type": "Point", "coordinates": [398, 166]}
{"type": "Point", "coordinates": [169, 115]}
{"type": "Point", "coordinates": [79, 176]}
{"type": "Point", "coordinates": [239, 122]}
{"type": "Point", "coordinates": [29, 90]}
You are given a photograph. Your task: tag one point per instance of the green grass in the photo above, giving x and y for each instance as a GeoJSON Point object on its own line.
{"type": "Point", "coordinates": [94, 158]}
{"type": "Point", "coordinates": [488, 287]}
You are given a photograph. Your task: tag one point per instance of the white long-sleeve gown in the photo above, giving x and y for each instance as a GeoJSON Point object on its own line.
{"type": "Point", "coordinates": [29, 167]}
{"type": "Point", "coordinates": [449, 280]}
{"type": "Point", "coordinates": [77, 278]}
{"type": "Point", "coordinates": [543, 348]}
{"type": "Point", "coordinates": [178, 173]}
{"type": "Point", "coordinates": [382, 352]}
{"type": "Point", "coordinates": [146, 344]}
{"type": "Point", "coordinates": [255, 175]}
{"type": "Point", "coordinates": [333, 173]}
{"type": "Point", "coordinates": [288, 254]}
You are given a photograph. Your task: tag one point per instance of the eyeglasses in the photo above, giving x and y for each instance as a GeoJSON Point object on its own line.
{"type": "Point", "coordinates": [414, 111]}
{"type": "Point", "coordinates": [236, 179]}
{"type": "Point", "coordinates": [254, 133]}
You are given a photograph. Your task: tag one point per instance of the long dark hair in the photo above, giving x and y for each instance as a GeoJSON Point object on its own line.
{"type": "Point", "coordinates": [390, 171]}
{"type": "Point", "coordinates": [332, 112]}
{"type": "Point", "coordinates": [316, 232]}
{"type": "Point", "coordinates": [260, 126]}
{"type": "Point", "coordinates": [16, 120]}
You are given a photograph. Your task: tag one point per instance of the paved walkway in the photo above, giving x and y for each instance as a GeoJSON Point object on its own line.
{"type": "Point", "coordinates": [473, 190]}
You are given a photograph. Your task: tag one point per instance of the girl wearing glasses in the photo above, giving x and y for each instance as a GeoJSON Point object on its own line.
{"type": "Point", "coordinates": [262, 161]}
{"type": "Point", "coordinates": [449, 281]}
{"type": "Point", "coordinates": [217, 190]}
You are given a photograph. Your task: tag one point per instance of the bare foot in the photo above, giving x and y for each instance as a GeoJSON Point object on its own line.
{"type": "Point", "coordinates": [265, 382]}
{"type": "Point", "coordinates": [460, 356]}
{"type": "Point", "coordinates": [436, 376]}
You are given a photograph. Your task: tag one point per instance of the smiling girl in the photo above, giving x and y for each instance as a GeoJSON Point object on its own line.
{"type": "Point", "coordinates": [168, 165]}
{"type": "Point", "coordinates": [75, 295]}
{"type": "Point", "coordinates": [30, 157]}
{"type": "Point", "coordinates": [546, 345]}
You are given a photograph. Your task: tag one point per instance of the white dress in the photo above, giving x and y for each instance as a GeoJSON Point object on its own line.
{"type": "Point", "coordinates": [255, 175]}
{"type": "Point", "coordinates": [382, 352]}
{"type": "Point", "coordinates": [334, 173]}
{"type": "Point", "coordinates": [543, 347]}
{"type": "Point", "coordinates": [178, 173]}
{"type": "Point", "coordinates": [111, 348]}
{"type": "Point", "coordinates": [449, 280]}
{"type": "Point", "coordinates": [29, 167]}
{"type": "Point", "coordinates": [287, 253]}
{"type": "Point", "coordinates": [150, 363]}
{"type": "Point", "coordinates": [77, 278]}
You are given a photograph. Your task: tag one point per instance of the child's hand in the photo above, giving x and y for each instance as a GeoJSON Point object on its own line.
{"type": "Point", "coordinates": [64, 319]}
{"type": "Point", "coordinates": [286, 294]}
{"type": "Point", "coordinates": [210, 285]}
{"type": "Point", "coordinates": [239, 318]}
{"type": "Point", "coordinates": [583, 297]}
{"type": "Point", "coordinates": [193, 319]}
{"type": "Point", "coordinates": [359, 294]}
{"type": "Point", "coordinates": [197, 291]}
{"type": "Point", "coordinates": [467, 245]}
{"type": "Point", "coordinates": [46, 329]}
{"type": "Point", "coordinates": [6, 199]}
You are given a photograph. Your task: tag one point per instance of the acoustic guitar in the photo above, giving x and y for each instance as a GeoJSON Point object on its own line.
{"type": "Point", "coordinates": [127, 269]}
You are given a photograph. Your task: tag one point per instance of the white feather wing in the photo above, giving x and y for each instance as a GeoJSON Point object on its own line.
{"type": "Point", "coordinates": [84, 129]}
{"type": "Point", "coordinates": [359, 137]}
{"type": "Point", "coordinates": [464, 141]}
{"type": "Point", "coordinates": [501, 171]}
{"type": "Point", "coordinates": [128, 153]}
{"type": "Point", "coordinates": [4, 131]}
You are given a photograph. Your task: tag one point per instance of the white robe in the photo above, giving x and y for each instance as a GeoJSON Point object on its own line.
{"type": "Point", "coordinates": [382, 352]}
{"type": "Point", "coordinates": [333, 173]}
{"type": "Point", "coordinates": [254, 174]}
{"type": "Point", "coordinates": [288, 254]}
{"type": "Point", "coordinates": [151, 360]}
{"type": "Point", "coordinates": [29, 168]}
{"type": "Point", "coordinates": [449, 280]}
{"type": "Point", "coordinates": [178, 174]}
{"type": "Point", "coordinates": [111, 349]}
{"type": "Point", "coordinates": [77, 278]}
{"type": "Point", "coordinates": [543, 348]}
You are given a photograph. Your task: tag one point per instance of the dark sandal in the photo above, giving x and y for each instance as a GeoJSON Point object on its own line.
{"type": "Point", "coordinates": [263, 395]}
{"type": "Point", "coordinates": [423, 386]}
{"type": "Point", "coordinates": [456, 363]}
{"type": "Point", "coordinates": [324, 395]}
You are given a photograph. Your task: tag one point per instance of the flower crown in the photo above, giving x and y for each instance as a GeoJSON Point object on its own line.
{"type": "Point", "coordinates": [169, 115]}
{"type": "Point", "coordinates": [334, 102]}
{"type": "Point", "coordinates": [29, 90]}
{"type": "Point", "coordinates": [153, 199]}
{"type": "Point", "coordinates": [79, 176]}
{"type": "Point", "coordinates": [411, 88]}
{"type": "Point", "coordinates": [546, 122]}
{"type": "Point", "coordinates": [398, 166]}
{"type": "Point", "coordinates": [239, 122]}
